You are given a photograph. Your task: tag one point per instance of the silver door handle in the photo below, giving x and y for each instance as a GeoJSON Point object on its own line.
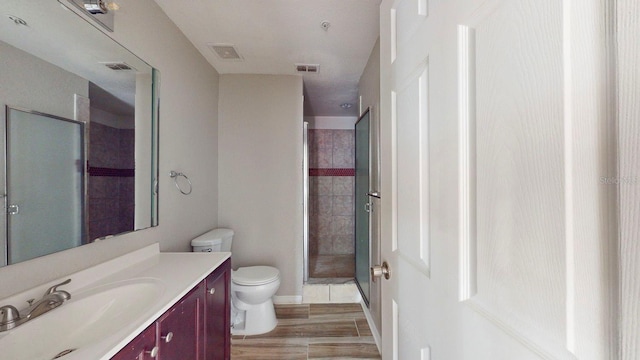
{"type": "Point", "coordinates": [380, 270]}
{"type": "Point", "coordinates": [374, 194]}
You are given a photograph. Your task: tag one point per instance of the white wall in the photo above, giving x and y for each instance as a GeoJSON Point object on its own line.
{"type": "Point", "coordinates": [144, 178]}
{"type": "Point", "coordinates": [331, 122]}
{"type": "Point", "coordinates": [260, 172]}
{"type": "Point", "coordinates": [369, 92]}
{"type": "Point", "coordinates": [110, 119]}
{"type": "Point", "coordinates": [188, 143]}
{"type": "Point", "coordinates": [33, 84]}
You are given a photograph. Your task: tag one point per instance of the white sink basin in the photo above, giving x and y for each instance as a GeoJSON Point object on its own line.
{"type": "Point", "coordinates": [88, 317]}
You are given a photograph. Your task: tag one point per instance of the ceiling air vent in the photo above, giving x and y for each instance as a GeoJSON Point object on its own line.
{"type": "Point", "coordinates": [225, 51]}
{"type": "Point", "coordinates": [118, 66]}
{"type": "Point", "coordinates": [308, 68]}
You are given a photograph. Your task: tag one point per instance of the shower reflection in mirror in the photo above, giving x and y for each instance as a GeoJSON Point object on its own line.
{"type": "Point", "coordinates": [80, 134]}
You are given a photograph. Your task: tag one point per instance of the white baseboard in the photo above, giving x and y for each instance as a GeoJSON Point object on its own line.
{"type": "Point", "coordinates": [372, 326]}
{"type": "Point", "coordinates": [287, 299]}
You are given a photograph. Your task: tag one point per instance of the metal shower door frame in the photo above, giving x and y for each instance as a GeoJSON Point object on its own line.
{"type": "Point", "coordinates": [84, 128]}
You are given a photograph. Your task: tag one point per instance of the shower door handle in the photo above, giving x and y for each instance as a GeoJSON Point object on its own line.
{"type": "Point", "coordinates": [13, 209]}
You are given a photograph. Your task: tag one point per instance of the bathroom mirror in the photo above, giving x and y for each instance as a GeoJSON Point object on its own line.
{"type": "Point", "coordinates": [72, 98]}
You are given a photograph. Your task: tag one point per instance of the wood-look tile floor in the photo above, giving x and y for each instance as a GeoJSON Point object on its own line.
{"type": "Point", "coordinates": [311, 331]}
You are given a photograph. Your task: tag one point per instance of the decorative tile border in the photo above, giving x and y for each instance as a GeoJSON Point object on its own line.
{"type": "Point", "coordinates": [100, 171]}
{"type": "Point", "coordinates": [332, 172]}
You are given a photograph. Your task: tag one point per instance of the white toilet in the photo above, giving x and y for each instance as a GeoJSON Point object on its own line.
{"type": "Point", "coordinates": [252, 287]}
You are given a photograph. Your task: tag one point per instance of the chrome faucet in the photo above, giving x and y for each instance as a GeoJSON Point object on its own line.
{"type": "Point", "coordinates": [10, 317]}
{"type": "Point", "coordinates": [54, 290]}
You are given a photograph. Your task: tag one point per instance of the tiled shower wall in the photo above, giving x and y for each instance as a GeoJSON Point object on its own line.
{"type": "Point", "coordinates": [331, 192]}
{"type": "Point", "coordinates": [111, 188]}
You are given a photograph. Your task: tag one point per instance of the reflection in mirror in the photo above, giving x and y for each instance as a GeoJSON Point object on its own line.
{"type": "Point", "coordinates": [91, 107]}
{"type": "Point", "coordinates": [35, 210]}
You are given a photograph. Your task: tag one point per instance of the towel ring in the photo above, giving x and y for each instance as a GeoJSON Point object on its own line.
{"type": "Point", "coordinates": [175, 175]}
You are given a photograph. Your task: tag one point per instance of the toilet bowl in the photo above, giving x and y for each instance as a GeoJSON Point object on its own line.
{"type": "Point", "coordinates": [252, 287]}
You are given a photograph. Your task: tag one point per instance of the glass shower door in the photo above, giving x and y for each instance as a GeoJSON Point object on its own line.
{"type": "Point", "coordinates": [363, 205]}
{"type": "Point", "coordinates": [45, 174]}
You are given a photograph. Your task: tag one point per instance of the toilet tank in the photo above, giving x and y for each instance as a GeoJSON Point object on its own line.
{"type": "Point", "coordinates": [215, 240]}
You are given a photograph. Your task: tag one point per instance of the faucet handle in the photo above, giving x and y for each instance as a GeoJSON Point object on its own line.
{"type": "Point", "coordinates": [8, 315]}
{"type": "Point", "coordinates": [64, 294]}
{"type": "Point", "coordinates": [54, 288]}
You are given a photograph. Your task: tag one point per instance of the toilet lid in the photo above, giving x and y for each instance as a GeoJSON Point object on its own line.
{"type": "Point", "coordinates": [255, 275]}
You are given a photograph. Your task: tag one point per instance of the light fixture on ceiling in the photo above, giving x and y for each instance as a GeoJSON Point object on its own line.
{"type": "Point", "coordinates": [96, 6]}
{"type": "Point", "coordinates": [325, 25]}
{"type": "Point", "coordinates": [346, 106]}
{"type": "Point", "coordinates": [99, 6]}
{"type": "Point", "coordinates": [102, 12]}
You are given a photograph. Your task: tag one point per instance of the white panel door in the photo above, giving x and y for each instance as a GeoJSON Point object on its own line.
{"type": "Point", "coordinates": [628, 177]}
{"type": "Point", "coordinates": [496, 136]}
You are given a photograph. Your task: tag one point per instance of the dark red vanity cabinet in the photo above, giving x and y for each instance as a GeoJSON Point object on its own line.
{"type": "Point", "coordinates": [218, 314]}
{"type": "Point", "coordinates": [140, 348]}
{"type": "Point", "coordinates": [180, 331]}
{"type": "Point", "coordinates": [196, 328]}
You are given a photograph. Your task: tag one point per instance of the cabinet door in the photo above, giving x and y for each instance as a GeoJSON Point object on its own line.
{"type": "Point", "coordinates": [218, 314]}
{"type": "Point", "coordinates": [140, 348]}
{"type": "Point", "coordinates": [181, 329]}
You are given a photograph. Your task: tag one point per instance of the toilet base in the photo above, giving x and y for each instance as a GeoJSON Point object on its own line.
{"type": "Point", "coordinates": [257, 319]}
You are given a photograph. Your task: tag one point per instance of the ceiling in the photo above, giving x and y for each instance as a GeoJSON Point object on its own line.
{"type": "Point", "coordinates": [272, 36]}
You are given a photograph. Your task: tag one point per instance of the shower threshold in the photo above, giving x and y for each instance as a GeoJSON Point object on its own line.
{"type": "Point", "coordinates": [336, 280]}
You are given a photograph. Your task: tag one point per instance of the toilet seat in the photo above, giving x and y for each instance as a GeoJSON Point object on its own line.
{"type": "Point", "coordinates": [255, 275]}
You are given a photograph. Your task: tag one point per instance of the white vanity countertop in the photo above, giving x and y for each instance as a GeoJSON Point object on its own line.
{"type": "Point", "coordinates": [178, 273]}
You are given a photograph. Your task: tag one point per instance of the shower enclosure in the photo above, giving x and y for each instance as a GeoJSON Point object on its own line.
{"type": "Point", "coordinates": [341, 225]}
{"type": "Point", "coordinates": [329, 248]}
{"type": "Point", "coordinates": [45, 204]}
